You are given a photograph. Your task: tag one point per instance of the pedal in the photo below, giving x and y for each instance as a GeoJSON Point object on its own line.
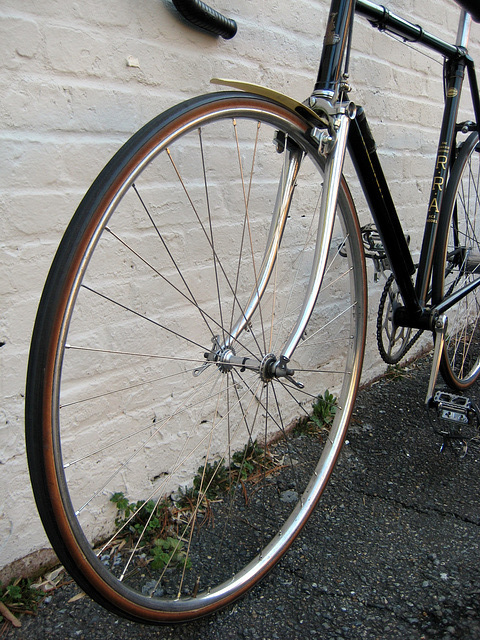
{"type": "Point", "coordinates": [453, 408]}
{"type": "Point", "coordinates": [460, 418]}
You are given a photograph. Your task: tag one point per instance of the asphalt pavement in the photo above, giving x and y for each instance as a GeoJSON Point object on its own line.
{"type": "Point", "coordinates": [392, 551]}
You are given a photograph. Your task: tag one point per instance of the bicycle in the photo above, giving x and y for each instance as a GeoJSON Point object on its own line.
{"type": "Point", "coordinates": [199, 341]}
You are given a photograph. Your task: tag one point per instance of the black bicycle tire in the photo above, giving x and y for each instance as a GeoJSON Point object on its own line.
{"type": "Point", "coordinates": [440, 257]}
{"type": "Point", "coordinates": [39, 434]}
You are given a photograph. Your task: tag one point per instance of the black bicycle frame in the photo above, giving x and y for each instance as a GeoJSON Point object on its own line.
{"type": "Point", "coordinates": [418, 311]}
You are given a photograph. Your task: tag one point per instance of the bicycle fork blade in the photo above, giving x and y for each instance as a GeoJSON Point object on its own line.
{"type": "Point", "coordinates": [333, 175]}
{"type": "Point", "coordinates": [286, 187]}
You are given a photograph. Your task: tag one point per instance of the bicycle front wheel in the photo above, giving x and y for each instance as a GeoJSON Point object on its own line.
{"type": "Point", "coordinates": [458, 265]}
{"type": "Point", "coordinates": [171, 467]}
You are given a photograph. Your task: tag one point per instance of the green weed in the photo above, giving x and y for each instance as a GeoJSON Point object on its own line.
{"type": "Point", "coordinates": [154, 523]}
{"type": "Point", "coordinates": [19, 597]}
{"type": "Point", "coordinates": [214, 480]}
{"type": "Point", "coordinates": [247, 462]}
{"type": "Point", "coordinates": [323, 412]}
{"type": "Point", "coordinates": [169, 553]}
{"type": "Point", "coordinates": [211, 481]}
{"type": "Point", "coordinates": [395, 372]}
{"type": "Point", "coordinates": [324, 409]}
{"type": "Point", "coordinates": [147, 519]}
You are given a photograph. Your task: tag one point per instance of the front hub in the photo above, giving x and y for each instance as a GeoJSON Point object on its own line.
{"type": "Point", "coordinates": [269, 367]}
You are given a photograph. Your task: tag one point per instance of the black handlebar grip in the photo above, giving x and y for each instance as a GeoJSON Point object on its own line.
{"type": "Point", "coordinates": [201, 15]}
{"type": "Point", "coordinates": [472, 6]}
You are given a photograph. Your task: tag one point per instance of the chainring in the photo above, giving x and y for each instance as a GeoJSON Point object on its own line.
{"type": "Point", "coordinates": [393, 341]}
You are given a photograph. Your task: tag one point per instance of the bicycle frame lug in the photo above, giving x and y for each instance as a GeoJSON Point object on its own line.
{"type": "Point", "coordinates": [425, 320]}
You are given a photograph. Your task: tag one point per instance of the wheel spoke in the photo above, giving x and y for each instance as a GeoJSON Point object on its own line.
{"type": "Point", "coordinates": [461, 359]}
{"type": "Point", "coordinates": [179, 450]}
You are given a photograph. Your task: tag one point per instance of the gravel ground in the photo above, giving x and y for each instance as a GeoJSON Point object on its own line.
{"type": "Point", "coordinates": [392, 551]}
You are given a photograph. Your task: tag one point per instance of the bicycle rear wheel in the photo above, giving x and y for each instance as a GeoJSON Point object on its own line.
{"type": "Point", "coordinates": [457, 265]}
{"type": "Point", "coordinates": [169, 471]}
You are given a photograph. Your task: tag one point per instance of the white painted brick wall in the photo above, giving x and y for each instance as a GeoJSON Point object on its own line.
{"type": "Point", "coordinates": [68, 99]}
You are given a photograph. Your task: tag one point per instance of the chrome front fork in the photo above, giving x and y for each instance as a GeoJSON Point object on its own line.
{"type": "Point", "coordinates": [224, 354]}
{"type": "Point", "coordinates": [293, 157]}
{"type": "Point", "coordinates": [333, 175]}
